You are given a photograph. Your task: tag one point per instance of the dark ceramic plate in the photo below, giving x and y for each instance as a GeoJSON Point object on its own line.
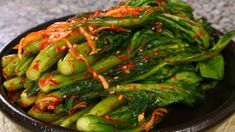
{"type": "Point", "coordinates": [219, 102]}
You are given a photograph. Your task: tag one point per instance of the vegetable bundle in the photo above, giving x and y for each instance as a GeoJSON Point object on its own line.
{"type": "Point", "coordinates": [116, 70]}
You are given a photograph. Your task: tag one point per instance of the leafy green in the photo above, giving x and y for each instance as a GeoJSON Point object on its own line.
{"type": "Point", "coordinates": [153, 56]}
{"type": "Point", "coordinates": [32, 87]}
{"type": "Point", "coordinates": [140, 2]}
{"type": "Point", "coordinates": [68, 104]}
{"type": "Point", "coordinates": [142, 97]}
{"type": "Point", "coordinates": [186, 77]}
{"type": "Point", "coordinates": [213, 68]}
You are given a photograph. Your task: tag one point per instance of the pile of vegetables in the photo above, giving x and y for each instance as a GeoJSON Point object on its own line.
{"type": "Point", "coordinates": [116, 70]}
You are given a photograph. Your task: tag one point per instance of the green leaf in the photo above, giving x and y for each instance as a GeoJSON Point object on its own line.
{"type": "Point", "coordinates": [209, 85]}
{"type": "Point", "coordinates": [185, 76]}
{"type": "Point", "coordinates": [213, 68]}
{"type": "Point", "coordinates": [68, 104]}
{"type": "Point", "coordinates": [140, 2]}
{"type": "Point", "coordinates": [32, 87]}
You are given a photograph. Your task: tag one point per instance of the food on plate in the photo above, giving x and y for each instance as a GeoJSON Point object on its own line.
{"type": "Point", "coordinates": [116, 70]}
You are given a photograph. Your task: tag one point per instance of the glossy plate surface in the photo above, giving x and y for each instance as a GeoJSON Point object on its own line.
{"type": "Point", "coordinates": [219, 102]}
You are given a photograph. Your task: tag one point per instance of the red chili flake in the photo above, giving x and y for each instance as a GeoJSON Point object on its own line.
{"type": "Point", "coordinates": [122, 58]}
{"type": "Point", "coordinates": [36, 65]}
{"type": "Point", "coordinates": [53, 82]}
{"type": "Point", "coordinates": [128, 10]}
{"type": "Point", "coordinates": [74, 33]}
{"type": "Point", "coordinates": [128, 66]}
{"type": "Point", "coordinates": [85, 75]}
{"type": "Point", "coordinates": [71, 63]}
{"type": "Point", "coordinates": [93, 73]}
{"type": "Point", "coordinates": [36, 107]}
{"type": "Point", "coordinates": [158, 3]}
{"type": "Point", "coordinates": [145, 58]}
{"type": "Point", "coordinates": [129, 49]}
{"type": "Point", "coordinates": [60, 49]}
{"type": "Point", "coordinates": [4, 74]}
{"type": "Point", "coordinates": [107, 117]}
{"type": "Point", "coordinates": [159, 26]}
{"type": "Point", "coordinates": [120, 97]}
{"type": "Point", "coordinates": [22, 81]}
{"type": "Point", "coordinates": [43, 82]}
{"type": "Point", "coordinates": [123, 11]}
{"type": "Point", "coordinates": [74, 20]}
{"type": "Point", "coordinates": [49, 103]}
{"type": "Point", "coordinates": [44, 44]}
{"type": "Point", "coordinates": [127, 71]}
{"type": "Point", "coordinates": [10, 89]}
{"type": "Point", "coordinates": [171, 62]}
{"type": "Point", "coordinates": [198, 34]}
{"type": "Point", "coordinates": [174, 78]}
{"type": "Point", "coordinates": [96, 14]}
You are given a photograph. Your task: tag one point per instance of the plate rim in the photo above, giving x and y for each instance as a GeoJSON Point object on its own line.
{"type": "Point", "coordinates": [30, 123]}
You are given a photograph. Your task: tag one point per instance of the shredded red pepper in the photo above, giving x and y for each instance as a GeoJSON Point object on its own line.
{"type": "Point", "coordinates": [36, 65]}
{"type": "Point", "coordinates": [89, 39]}
{"type": "Point", "coordinates": [43, 81]}
{"type": "Point", "coordinates": [53, 82]}
{"type": "Point", "coordinates": [100, 77]}
{"type": "Point", "coordinates": [198, 34]}
{"type": "Point", "coordinates": [120, 97]}
{"type": "Point", "coordinates": [82, 104]}
{"type": "Point", "coordinates": [47, 103]}
{"type": "Point", "coordinates": [156, 117]}
{"type": "Point", "coordinates": [123, 11]}
{"type": "Point", "coordinates": [128, 66]}
{"type": "Point", "coordinates": [174, 78]}
{"type": "Point", "coordinates": [33, 36]}
{"type": "Point", "coordinates": [78, 56]}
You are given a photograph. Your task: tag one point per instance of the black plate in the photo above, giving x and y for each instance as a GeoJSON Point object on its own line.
{"type": "Point", "coordinates": [219, 102]}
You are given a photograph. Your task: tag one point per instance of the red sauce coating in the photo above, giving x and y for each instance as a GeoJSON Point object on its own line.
{"type": "Point", "coordinates": [123, 11]}
{"type": "Point", "coordinates": [10, 89]}
{"type": "Point", "coordinates": [174, 78]}
{"type": "Point", "coordinates": [22, 81]}
{"type": "Point", "coordinates": [47, 103]}
{"type": "Point", "coordinates": [171, 62]}
{"type": "Point", "coordinates": [36, 65]}
{"type": "Point", "coordinates": [128, 66]}
{"type": "Point", "coordinates": [53, 82]}
{"type": "Point", "coordinates": [43, 81]}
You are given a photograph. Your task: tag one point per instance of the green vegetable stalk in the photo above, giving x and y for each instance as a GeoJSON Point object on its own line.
{"type": "Point", "coordinates": [149, 55]}
{"type": "Point", "coordinates": [7, 59]}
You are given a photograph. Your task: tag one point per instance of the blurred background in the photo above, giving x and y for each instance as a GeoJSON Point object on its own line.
{"type": "Point", "coordinates": [16, 16]}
